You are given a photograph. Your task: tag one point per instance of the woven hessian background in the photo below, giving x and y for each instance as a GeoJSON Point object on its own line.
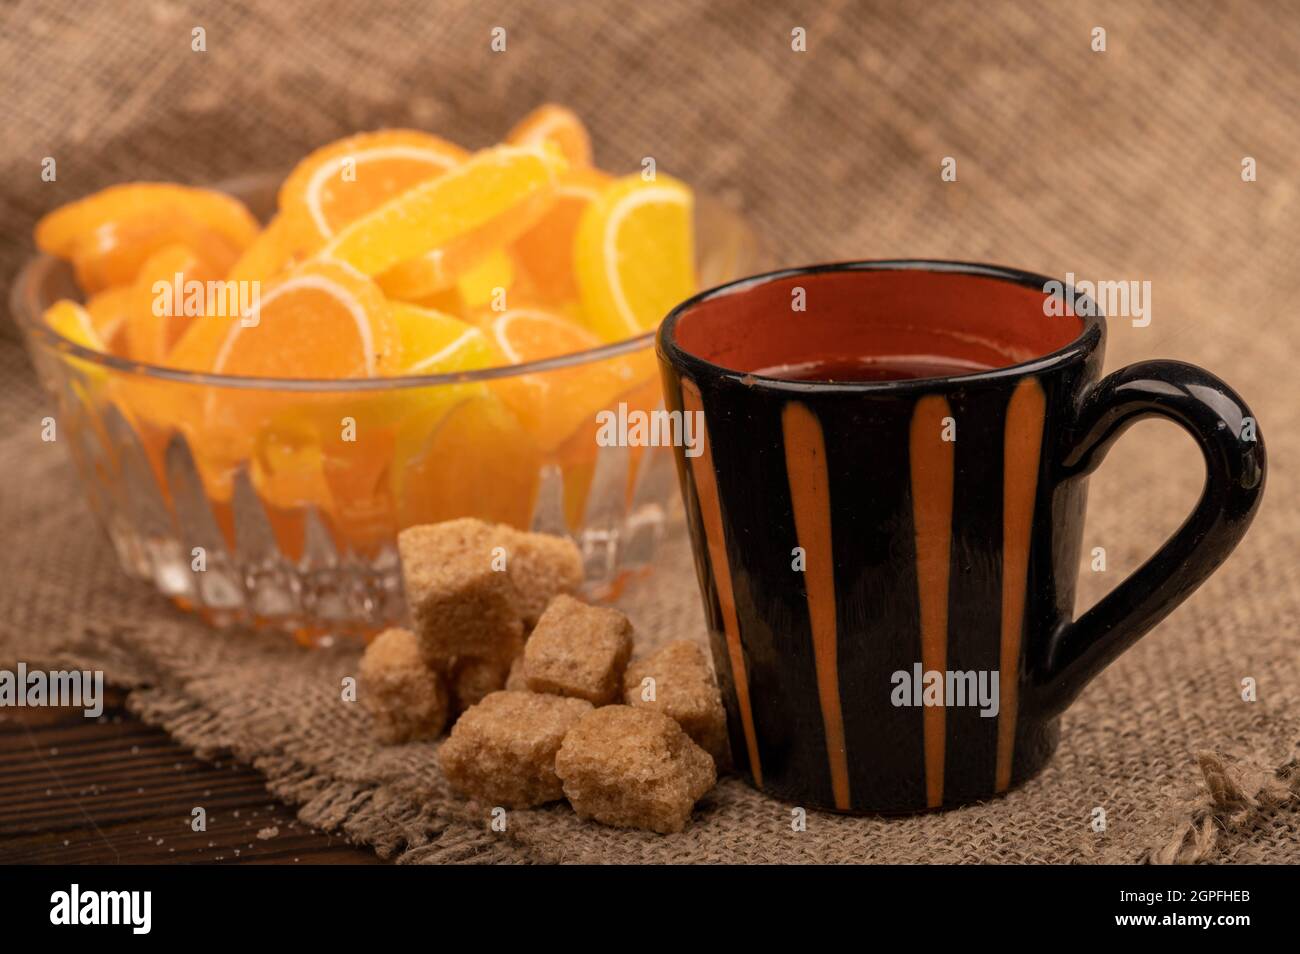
{"type": "Point", "coordinates": [1123, 164]}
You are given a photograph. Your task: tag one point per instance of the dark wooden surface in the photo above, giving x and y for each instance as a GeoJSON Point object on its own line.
{"type": "Point", "coordinates": [114, 790]}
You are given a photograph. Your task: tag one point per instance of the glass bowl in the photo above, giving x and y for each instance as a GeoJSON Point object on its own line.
{"type": "Point", "coordinates": [250, 502]}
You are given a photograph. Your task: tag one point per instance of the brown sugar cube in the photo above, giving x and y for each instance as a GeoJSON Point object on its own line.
{"type": "Point", "coordinates": [516, 681]}
{"type": "Point", "coordinates": [406, 699]}
{"type": "Point", "coordinates": [473, 679]}
{"type": "Point", "coordinates": [634, 768]}
{"type": "Point", "coordinates": [683, 689]}
{"type": "Point", "coordinates": [542, 567]}
{"type": "Point", "coordinates": [578, 650]}
{"type": "Point", "coordinates": [460, 595]}
{"type": "Point", "coordinates": [502, 751]}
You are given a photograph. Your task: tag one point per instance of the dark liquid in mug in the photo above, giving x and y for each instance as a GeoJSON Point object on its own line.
{"type": "Point", "coordinates": [886, 367]}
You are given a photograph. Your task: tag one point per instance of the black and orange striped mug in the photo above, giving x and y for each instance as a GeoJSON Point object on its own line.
{"type": "Point", "coordinates": [886, 496]}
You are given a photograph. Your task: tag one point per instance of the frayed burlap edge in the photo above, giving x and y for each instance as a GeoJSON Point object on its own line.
{"type": "Point", "coordinates": [368, 814]}
{"type": "Point", "coordinates": [1233, 802]}
{"type": "Point", "coordinates": [1216, 817]}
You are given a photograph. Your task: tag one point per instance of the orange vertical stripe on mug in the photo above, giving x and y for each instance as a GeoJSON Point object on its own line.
{"type": "Point", "coordinates": [810, 496]}
{"type": "Point", "coordinates": [932, 485]}
{"type": "Point", "coordinates": [1022, 447]}
{"type": "Point", "coordinates": [706, 489]}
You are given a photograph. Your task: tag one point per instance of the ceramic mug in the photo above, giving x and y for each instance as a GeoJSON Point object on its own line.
{"type": "Point", "coordinates": [888, 567]}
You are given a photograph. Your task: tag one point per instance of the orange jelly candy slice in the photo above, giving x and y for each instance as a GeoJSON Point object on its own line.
{"type": "Point", "coordinates": [272, 252]}
{"type": "Point", "coordinates": [59, 232]}
{"type": "Point", "coordinates": [487, 200]}
{"type": "Point", "coordinates": [113, 254]}
{"type": "Point", "coordinates": [168, 296]}
{"type": "Point", "coordinates": [552, 404]}
{"type": "Point", "coordinates": [479, 462]}
{"type": "Point", "coordinates": [553, 123]}
{"type": "Point", "coordinates": [545, 252]}
{"type": "Point", "coordinates": [634, 255]}
{"type": "Point", "coordinates": [322, 320]}
{"type": "Point", "coordinates": [108, 311]}
{"type": "Point", "coordinates": [339, 183]}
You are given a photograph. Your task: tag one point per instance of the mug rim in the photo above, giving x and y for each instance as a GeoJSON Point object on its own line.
{"type": "Point", "coordinates": [1091, 337]}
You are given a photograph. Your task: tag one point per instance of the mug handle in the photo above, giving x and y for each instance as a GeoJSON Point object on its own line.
{"type": "Point", "coordinates": [1214, 415]}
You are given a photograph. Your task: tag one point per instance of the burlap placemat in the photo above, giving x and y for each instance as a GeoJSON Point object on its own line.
{"type": "Point", "coordinates": [1123, 164]}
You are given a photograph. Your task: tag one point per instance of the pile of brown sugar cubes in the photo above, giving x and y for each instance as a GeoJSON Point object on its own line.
{"type": "Point", "coordinates": [546, 704]}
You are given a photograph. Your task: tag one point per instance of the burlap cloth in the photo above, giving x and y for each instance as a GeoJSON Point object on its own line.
{"type": "Point", "coordinates": [1117, 165]}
